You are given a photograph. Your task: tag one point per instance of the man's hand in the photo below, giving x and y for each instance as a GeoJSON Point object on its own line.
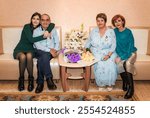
{"type": "Point", "coordinates": [47, 34]}
{"type": "Point", "coordinates": [53, 52]}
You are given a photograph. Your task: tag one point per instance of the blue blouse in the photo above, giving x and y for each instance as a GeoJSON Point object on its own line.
{"type": "Point", "coordinates": [101, 45]}
{"type": "Point", "coordinates": [125, 43]}
{"type": "Point", "coordinates": [46, 45]}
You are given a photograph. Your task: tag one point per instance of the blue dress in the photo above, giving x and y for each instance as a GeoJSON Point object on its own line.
{"type": "Point", "coordinates": [105, 71]}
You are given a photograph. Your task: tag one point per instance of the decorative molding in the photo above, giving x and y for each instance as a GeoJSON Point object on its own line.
{"type": "Point", "coordinates": [148, 43]}
{"type": "Point", "coordinates": [60, 32]}
{"type": "Point", "coordinates": [138, 27]}
{"type": "Point", "coordinates": [1, 42]}
{"type": "Point", "coordinates": [11, 26]}
{"type": "Point", "coordinates": [133, 27]}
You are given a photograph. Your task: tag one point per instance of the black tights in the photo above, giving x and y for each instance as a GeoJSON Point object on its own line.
{"type": "Point", "coordinates": [25, 61]}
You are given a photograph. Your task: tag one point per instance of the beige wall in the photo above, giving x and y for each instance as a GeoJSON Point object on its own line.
{"type": "Point", "coordinates": [71, 13]}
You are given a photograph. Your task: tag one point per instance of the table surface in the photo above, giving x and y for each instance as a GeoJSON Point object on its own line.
{"type": "Point", "coordinates": [79, 64]}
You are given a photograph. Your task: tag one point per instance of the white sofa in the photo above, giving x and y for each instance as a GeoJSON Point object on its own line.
{"type": "Point", "coordinates": [9, 37]}
{"type": "Point", "coordinates": [9, 69]}
{"type": "Point", "coordinates": [142, 42]}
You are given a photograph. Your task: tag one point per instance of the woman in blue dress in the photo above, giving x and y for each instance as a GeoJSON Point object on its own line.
{"type": "Point", "coordinates": [102, 43]}
{"type": "Point", "coordinates": [126, 54]}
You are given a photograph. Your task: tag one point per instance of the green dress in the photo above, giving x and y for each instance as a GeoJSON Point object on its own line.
{"type": "Point", "coordinates": [26, 41]}
{"type": "Point", "coordinates": [125, 43]}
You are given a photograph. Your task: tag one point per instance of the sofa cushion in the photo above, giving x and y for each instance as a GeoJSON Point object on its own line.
{"type": "Point", "coordinates": [9, 68]}
{"type": "Point", "coordinates": [142, 66]}
{"type": "Point", "coordinates": [143, 58]}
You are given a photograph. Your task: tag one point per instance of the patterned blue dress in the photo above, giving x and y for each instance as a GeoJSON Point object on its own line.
{"type": "Point", "coordinates": [105, 71]}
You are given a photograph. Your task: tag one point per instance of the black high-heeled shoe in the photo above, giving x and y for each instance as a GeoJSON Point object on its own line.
{"type": "Point", "coordinates": [21, 84]}
{"type": "Point", "coordinates": [30, 84]}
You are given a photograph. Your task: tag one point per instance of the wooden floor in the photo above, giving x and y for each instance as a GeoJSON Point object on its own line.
{"type": "Point", "coordinates": [142, 88]}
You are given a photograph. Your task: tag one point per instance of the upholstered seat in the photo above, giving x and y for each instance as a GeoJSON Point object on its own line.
{"type": "Point", "coordinates": [9, 69]}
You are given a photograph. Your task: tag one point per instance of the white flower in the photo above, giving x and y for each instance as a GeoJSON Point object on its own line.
{"type": "Point", "coordinates": [75, 39]}
{"type": "Point", "coordinates": [75, 45]}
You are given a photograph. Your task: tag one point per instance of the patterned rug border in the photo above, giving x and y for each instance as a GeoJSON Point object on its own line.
{"type": "Point", "coordinates": [70, 94]}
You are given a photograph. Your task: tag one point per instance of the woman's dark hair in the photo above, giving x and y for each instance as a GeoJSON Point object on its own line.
{"type": "Point", "coordinates": [116, 17]}
{"type": "Point", "coordinates": [102, 15]}
{"type": "Point", "coordinates": [35, 14]}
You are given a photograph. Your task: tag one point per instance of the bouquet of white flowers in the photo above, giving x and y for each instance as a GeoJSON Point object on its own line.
{"type": "Point", "coordinates": [75, 39]}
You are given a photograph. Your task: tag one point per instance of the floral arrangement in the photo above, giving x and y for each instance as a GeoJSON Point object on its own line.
{"type": "Point", "coordinates": [73, 57]}
{"type": "Point", "coordinates": [75, 39]}
{"type": "Point", "coordinates": [74, 45]}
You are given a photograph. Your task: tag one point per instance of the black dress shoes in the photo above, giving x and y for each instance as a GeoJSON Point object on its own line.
{"type": "Point", "coordinates": [39, 88]}
{"type": "Point", "coordinates": [21, 84]}
{"type": "Point", "coordinates": [50, 84]}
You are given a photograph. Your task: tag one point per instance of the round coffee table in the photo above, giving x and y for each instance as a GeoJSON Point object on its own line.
{"type": "Point", "coordinates": [86, 75]}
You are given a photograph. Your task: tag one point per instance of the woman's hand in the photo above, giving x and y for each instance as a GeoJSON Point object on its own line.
{"type": "Point", "coordinates": [106, 57]}
{"type": "Point", "coordinates": [117, 60]}
{"type": "Point", "coordinates": [47, 34]}
{"type": "Point", "coordinates": [84, 50]}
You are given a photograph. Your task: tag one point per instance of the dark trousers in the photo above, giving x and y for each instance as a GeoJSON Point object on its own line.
{"type": "Point", "coordinates": [43, 66]}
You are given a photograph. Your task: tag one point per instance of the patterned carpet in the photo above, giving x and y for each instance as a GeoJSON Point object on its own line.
{"type": "Point", "coordinates": [64, 97]}
{"type": "Point", "coordinates": [9, 92]}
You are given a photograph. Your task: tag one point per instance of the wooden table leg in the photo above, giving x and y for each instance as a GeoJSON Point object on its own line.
{"type": "Point", "coordinates": [64, 78]}
{"type": "Point", "coordinates": [87, 78]}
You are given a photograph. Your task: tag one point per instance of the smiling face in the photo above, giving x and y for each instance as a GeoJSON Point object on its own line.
{"type": "Point", "coordinates": [100, 22]}
{"type": "Point", "coordinates": [35, 21]}
{"type": "Point", "coordinates": [45, 21]}
{"type": "Point", "coordinates": [119, 23]}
